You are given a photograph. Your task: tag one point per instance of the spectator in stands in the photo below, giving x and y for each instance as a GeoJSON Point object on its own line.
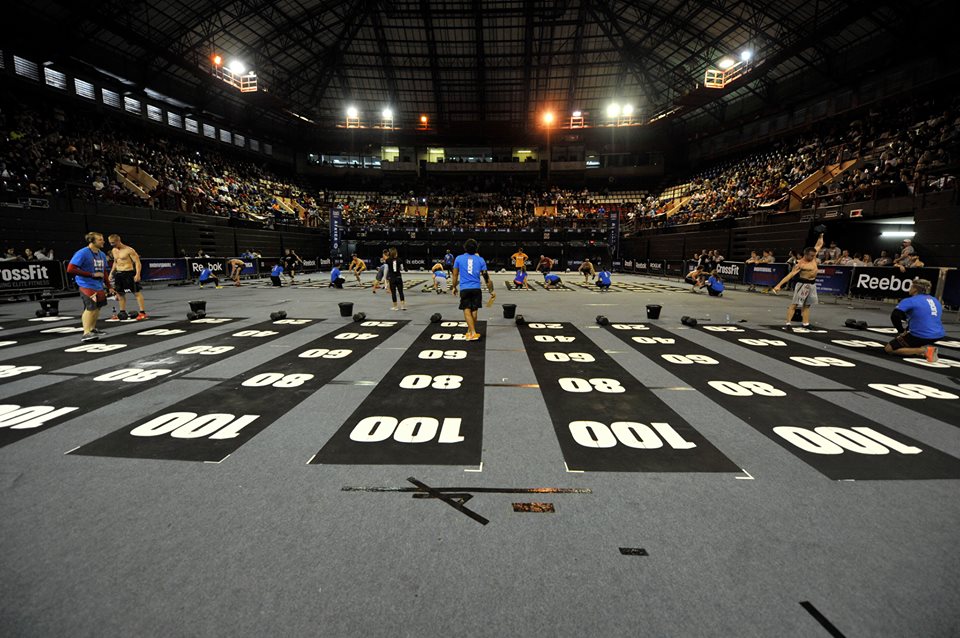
{"type": "Point", "coordinates": [906, 248]}
{"type": "Point", "coordinates": [754, 258]}
{"type": "Point", "coordinates": [767, 257]}
{"type": "Point", "coordinates": [910, 261]}
{"type": "Point", "coordinates": [865, 260]}
{"type": "Point", "coordinates": [883, 259]}
{"type": "Point", "coordinates": [832, 254]}
{"type": "Point", "coordinates": [29, 255]}
{"type": "Point", "coordinates": [11, 255]}
{"type": "Point", "coordinates": [792, 259]}
{"type": "Point", "coordinates": [845, 259]}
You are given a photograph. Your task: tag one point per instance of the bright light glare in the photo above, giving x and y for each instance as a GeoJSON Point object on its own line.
{"type": "Point", "coordinates": [217, 60]}
{"type": "Point", "coordinates": [548, 118]}
{"type": "Point", "coordinates": [387, 114]}
{"type": "Point", "coordinates": [628, 109]}
{"type": "Point", "coordinates": [237, 67]}
{"type": "Point", "coordinates": [613, 110]}
{"type": "Point", "coordinates": [725, 63]}
{"type": "Point", "coordinates": [577, 114]}
{"type": "Point", "coordinates": [746, 55]}
{"type": "Point", "coordinates": [352, 111]}
{"type": "Point", "coordinates": [423, 119]}
{"type": "Point", "coordinates": [897, 233]}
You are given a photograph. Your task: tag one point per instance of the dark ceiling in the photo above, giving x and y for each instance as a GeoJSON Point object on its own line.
{"type": "Point", "coordinates": [466, 61]}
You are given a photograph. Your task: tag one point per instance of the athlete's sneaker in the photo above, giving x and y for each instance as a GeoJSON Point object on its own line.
{"type": "Point", "coordinates": [932, 354]}
{"type": "Point", "coordinates": [98, 332]}
{"type": "Point", "coordinates": [473, 337]}
{"type": "Point", "coordinates": [90, 336]}
{"type": "Point", "coordinates": [219, 287]}
{"type": "Point", "coordinates": [141, 316]}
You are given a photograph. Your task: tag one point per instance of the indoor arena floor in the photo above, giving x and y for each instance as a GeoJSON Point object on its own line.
{"type": "Point", "coordinates": [387, 478]}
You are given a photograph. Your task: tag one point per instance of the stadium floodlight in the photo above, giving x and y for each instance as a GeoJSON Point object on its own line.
{"type": "Point", "coordinates": [352, 112]}
{"type": "Point", "coordinates": [387, 114]}
{"type": "Point", "coordinates": [238, 67]}
{"type": "Point", "coordinates": [548, 118]}
{"type": "Point", "coordinates": [217, 59]}
{"type": "Point", "coordinates": [577, 114]}
{"type": "Point", "coordinates": [746, 55]}
{"type": "Point", "coordinates": [897, 233]}
{"type": "Point", "coordinates": [725, 63]}
{"type": "Point", "coordinates": [613, 110]}
{"type": "Point", "coordinates": [628, 110]}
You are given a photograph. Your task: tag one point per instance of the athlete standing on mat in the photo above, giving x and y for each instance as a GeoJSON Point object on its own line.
{"type": "Point", "coordinates": [395, 269]}
{"type": "Point", "coordinates": [924, 314]}
{"type": "Point", "coordinates": [88, 266]}
{"type": "Point", "coordinates": [805, 292]}
{"type": "Point", "coordinates": [235, 265]}
{"type": "Point", "coordinates": [357, 266]}
{"type": "Point", "coordinates": [290, 262]}
{"type": "Point", "coordinates": [468, 268]}
{"type": "Point", "coordinates": [125, 274]}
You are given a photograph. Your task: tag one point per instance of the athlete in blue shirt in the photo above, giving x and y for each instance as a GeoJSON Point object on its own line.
{"type": "Point", "coordinates": [924, 314]}
{"type": "Point", "coordinates": [551, 281]}
{"type": "Point", "coordinates": [468, 268]}
{"type": "Point", "coordinates": [714, 285]}
{"type": "Point", "coordinates": [520, 281]}
{"type": "Point", "coordinates": [336, 281]}
{"type": "Point", "coordinates": [206, 276]}
{"type": "Point", "coordinates": [603, 279]}
{"type": "Point", "coordinates": [89, 266]}
{"type": "Point", "coordinates": [275, 273]}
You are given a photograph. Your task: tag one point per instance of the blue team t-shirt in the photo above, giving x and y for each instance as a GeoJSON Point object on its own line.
{"type": "Point", "coordinates": [551, 278]}
{"type": "Point", "coordinates": [448, 259]}
{"type": "Point", "coordinates": [715, 284]}
{"type": "Point", "coordinates": [521, 276]}
{"type": "Point", "coordinates": [604, 277]}
{"type": "Point", "coordinates": [924, 314]}
{"type": "Point", "coordinates": [470, 267]}
{"type": "Point", "coordinates": [276, 271]}
{"type": "Point", "coordinates": [440, 273]}
{"type": "Point", "coordinates": [334, 275]}
{"type": "Point", "coordinates": [205, 274]}
{"type": "Point", "coordinates": [86, 259]}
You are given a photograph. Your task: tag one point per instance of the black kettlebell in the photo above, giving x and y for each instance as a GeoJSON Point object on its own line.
{"type": "Point", "coordinates": [436, 318]}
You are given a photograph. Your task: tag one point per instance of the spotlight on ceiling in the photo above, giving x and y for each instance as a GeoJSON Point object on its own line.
{"type": "Point", "coordinates": [613, 110]}
{"type": "Point", "coordinates": [628, 109]}
{"type": "Point", "coordinates": [577, 114]}
{"type": "Point", "coordinates": [352, 111]}
{"type": "Point", "coordinates": [725, 63]}
{"type": "Point", "coordinates": [238, 67]}
{"type": "Point", "coordinates": [387, 114]}
{"type": "Point", "coordinates": [548, 117]}
{"type": "Point", "coordinates": [217, 59]}
{"type": "Point", "coordinates": [746, 55]}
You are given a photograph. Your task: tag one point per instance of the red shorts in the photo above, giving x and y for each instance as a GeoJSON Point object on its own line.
{"type": "Point", "coordinates": [93, 299]}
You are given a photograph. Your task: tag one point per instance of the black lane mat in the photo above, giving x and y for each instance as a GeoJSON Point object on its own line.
{"type": "Point", "coordinates": [605, 420]}
{"type": "Point", "coordinates": [51, 332]}
{"type": "Point", "coordinates": [949, 363]}
{"type": "Point", "coordinates": [77, 396]}
{"type": "Point", "coordinates": [836, 442]}
{"type": "Point", "coordinates": [58, 358]}
{"type": "Point", "coordinates": [562, 288]}
{"type": "Point", "coordinates": [941, 403]}
{"type": "Point", "coordinates": [213, 424]}
{"type": "Point", "coordinates": [427, 410]}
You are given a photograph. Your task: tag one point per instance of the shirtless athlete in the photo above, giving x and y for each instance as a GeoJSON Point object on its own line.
{"type": "Point", "coordinates": [805, 292]}
{"type": "Point", "coordinates": [125, 274]}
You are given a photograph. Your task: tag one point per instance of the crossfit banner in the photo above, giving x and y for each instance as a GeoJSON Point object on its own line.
{"type": "Point", "coordinates": [613, 232]}
{"type": "Point", "coordinates": [833, 280]}
{"type": "Point", "coordinates": [336, 229]}
{"type": "Point", "coordinates": [732, 271]}
{"type": "Point", "coordinates": [767, 275]}
{"type": "Point", "coordinates": [163, 269]}
{"type": "Point", "coordinates": [888, 283]}
{"type": "Point", "coordinates": [33, 275]}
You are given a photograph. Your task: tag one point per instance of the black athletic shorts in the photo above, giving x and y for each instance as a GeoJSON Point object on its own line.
{"type": "Point", "coordinates": [471, 299]}
{"type": "Point", "coordinates": [911, 341]}
{"type": "Point", "coordinates": [123, 280]}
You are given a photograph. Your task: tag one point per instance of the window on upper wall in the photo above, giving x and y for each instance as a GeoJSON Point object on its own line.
{"type": "Point", "coordinates": [84, 89]}
{"type": "Point", "coordinates": [54, 78]}
{"type": "Point", "coordinates": [131, 105]}
{"type": "Point", "coordinates": [191, 125]}
{"type": "Point", "coordinates": [110, 98]}
{"type": "Point", "coordinates": [209, 131]}
{"type": "Point", "coordinates": [174, 119]}
{"type": "Point", "coordinates": [26, 68]}
{"type": "Point", "coordinates": [225, 136]}
{"type": "Point", "coordinates": [154, 113]}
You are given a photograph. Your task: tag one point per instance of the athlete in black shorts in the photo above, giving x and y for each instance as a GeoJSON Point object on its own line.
{"type": "Point", "coordinates": [291, 261]}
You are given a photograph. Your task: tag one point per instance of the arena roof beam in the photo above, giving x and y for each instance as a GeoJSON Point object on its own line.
{"type": "Point", "coordinates": [577, 55]}
{"type": "Point", "coordinates": [389, 72]}
{"type": "Point", "coordinates": [527, 89]}
{"type": "Point", "coordinates": [330, 60]}
{"type": "Point", "coordinates": [427, 17]}
{"type": "Point", "coordinates": [481, 61]}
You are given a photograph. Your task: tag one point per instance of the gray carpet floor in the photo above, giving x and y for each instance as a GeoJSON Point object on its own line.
{"type": "Point", "coordinates": [264, 543]}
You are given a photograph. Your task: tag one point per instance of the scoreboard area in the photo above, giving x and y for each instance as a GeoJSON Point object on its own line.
{"type": "Point", "coordinates": [322, 468]}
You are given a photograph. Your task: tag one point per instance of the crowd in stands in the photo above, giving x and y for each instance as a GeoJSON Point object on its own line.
{"type": "Point", "coordinates": [27, 254]}
{"type": "Point", "coordinates": [41, 149]}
